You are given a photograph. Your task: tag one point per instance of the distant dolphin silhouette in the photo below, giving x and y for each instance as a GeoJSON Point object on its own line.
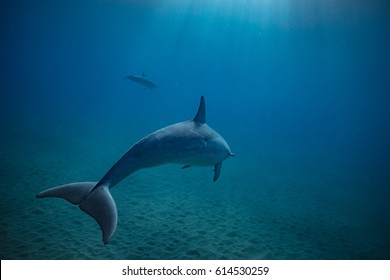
{"type": "Point", "coordinates": [190, 143]}
{"type": "Point", "coordinates": [142, 80]}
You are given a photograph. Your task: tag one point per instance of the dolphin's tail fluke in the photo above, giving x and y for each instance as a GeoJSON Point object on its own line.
{"type": "Point", "coordinates": [95, 201]}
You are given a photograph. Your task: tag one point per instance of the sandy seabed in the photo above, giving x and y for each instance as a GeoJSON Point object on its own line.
{"type": "Point", "coordinates": [258, 209]}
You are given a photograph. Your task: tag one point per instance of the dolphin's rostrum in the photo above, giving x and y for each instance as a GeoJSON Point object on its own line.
{"type": "Point", "coordinates": [191, 143]}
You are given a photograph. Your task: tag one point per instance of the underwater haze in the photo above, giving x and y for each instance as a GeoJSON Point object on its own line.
{"type": "Point", "coordinates": [299, 89]}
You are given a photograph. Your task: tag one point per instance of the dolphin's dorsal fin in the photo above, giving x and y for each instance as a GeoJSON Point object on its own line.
{"type": "Point", "coordinates": [201, 114]}
{"type": "Point", "coordinates": [143, 74]}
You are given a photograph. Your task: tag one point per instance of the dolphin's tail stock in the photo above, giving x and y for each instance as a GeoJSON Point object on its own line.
{"type": "Point", "coordinates": [94, 200]}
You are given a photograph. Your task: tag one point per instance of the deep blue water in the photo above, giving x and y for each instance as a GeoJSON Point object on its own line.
{"type": "Point", "coordinates": [299, 89]}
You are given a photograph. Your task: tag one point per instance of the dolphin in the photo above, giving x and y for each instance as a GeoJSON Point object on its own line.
{"type": "Point", "coordinates": [191, 143]}
{"type": "Point", "coordinates": [142, 80]}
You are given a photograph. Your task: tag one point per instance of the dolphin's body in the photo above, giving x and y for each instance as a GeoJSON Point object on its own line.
{"type": "Point", "coordinates": [142, 80]}
{"type": "Point", "coordinates": [189, 143]}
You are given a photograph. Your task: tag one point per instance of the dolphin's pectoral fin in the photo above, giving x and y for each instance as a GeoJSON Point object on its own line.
{"type": "Point", "coordinates": [101, 206]}
{"type": "Point", "coordinates": [186, 166]}
{"type": "Point", "coordinates": [217, 171]}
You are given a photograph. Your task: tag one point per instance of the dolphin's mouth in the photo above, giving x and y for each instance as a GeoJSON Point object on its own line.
{"type": "Point", "coordinates": [231, 154]}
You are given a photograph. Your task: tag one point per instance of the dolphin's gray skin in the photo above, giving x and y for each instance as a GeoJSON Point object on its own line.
{"type": "Point", "coordinates": [142, 80]}
{"type": "Point", "coordinates": [189, 143]}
